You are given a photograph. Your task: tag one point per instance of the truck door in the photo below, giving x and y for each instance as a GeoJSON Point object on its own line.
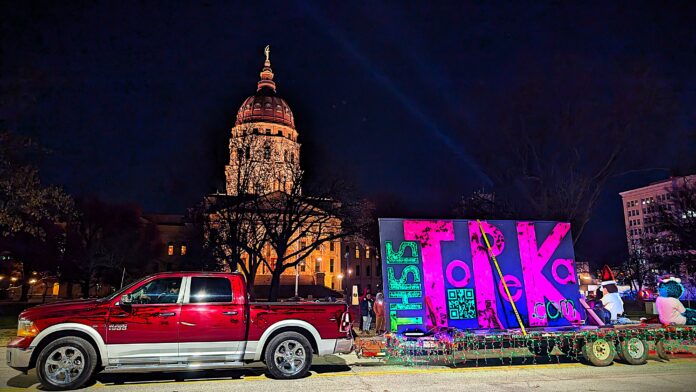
{"type": "Point", "coordinates": [146, 330]}
{"type": "Point", "coordinates": [212, 325]}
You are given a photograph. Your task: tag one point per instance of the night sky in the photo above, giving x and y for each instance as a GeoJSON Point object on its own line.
{"type": "Point", "coordinates": [136, 99]}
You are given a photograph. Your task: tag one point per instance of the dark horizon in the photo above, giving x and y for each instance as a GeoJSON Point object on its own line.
{"type": "Point", "coordinates": [136, 100]}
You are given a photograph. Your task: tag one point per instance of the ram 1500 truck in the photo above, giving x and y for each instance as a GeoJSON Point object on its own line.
{"type": "Point", "coordinates": [172, 322]}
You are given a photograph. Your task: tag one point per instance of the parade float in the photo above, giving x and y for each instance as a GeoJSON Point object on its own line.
{"type": "Point", "coordinates": [459, 290]}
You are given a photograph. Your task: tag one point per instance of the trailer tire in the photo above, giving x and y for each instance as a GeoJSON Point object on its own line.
{"type": "Point", "coordinates": [634, 351]}
{"type": "Point", "coordinates": [599, 352]}
{"type": "Point", "coordinates": [661, 350]}
{"type": "Point", "coordinates": [288, 356]}
{"type": "Point", "coordinates": [66, 363]}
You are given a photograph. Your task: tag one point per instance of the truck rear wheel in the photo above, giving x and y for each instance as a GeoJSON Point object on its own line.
{"type": "Point", "coordinates": [634, 351]}
{"type": "Point", "coordinates": [288, 356]}
{"type": "Point", "coordinates": [599, 352]}
{"type": "Point", "coordinates": [66, 363]}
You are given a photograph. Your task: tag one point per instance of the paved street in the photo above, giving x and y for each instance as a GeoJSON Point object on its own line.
{"type": "Point", "coordinates": [347, 373]}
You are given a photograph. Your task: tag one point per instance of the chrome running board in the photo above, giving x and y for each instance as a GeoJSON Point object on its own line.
{"type": "Point", "coordinates": [170, 367]}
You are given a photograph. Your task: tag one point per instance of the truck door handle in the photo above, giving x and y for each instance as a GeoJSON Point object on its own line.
{"type": "Point", "coordinates": [230, 313]}
{"type": "Point", "coordinates": [166, 314]}
{"type": "Point", "coordinates": [121, 315]}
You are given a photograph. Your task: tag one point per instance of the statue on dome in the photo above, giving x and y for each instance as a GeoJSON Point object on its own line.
{"type": "Point", "coordinates": [267, 52]}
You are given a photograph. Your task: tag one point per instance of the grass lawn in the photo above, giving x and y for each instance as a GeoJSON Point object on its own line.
{"type": "Point", "coordinates": [8, 329]}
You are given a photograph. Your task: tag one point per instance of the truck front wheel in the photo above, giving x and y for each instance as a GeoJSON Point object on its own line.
{"type": "Point", "coordinates": [288, 356]}
{"type": "Point", "coordinates": [66, 363]}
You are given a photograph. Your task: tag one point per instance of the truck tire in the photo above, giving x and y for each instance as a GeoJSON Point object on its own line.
{"type": "Point", "coordinates": [599, 352]}
{"type": "Point", "coordinates": [66, 363]}
{"type": "Point", "coordinates": [288, 356]}
{"type": "Point", "coordinates": [634, 351]}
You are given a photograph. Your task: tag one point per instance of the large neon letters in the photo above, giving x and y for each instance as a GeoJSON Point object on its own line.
{"type": "Point", "coordinates": [401, 288]}
{"type": "Point", "coordinates": [441, 274]}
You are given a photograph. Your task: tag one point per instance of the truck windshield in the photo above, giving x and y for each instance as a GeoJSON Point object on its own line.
{"type": "Point", "coordinates": [119, 292]}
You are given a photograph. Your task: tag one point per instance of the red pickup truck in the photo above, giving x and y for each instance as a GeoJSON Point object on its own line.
{"type": "Point", "coordinates": [171, 322]}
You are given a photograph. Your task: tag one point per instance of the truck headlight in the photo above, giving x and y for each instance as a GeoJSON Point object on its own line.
{"type": "Point", "coordinates": [26, 328]}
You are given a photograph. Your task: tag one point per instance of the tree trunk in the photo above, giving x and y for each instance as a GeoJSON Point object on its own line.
{"type": "Point", "coordinates": [69, 287]}
{"type": "Point", "coordinates": [275, 285]}
{"type": "Point", "coordinates": [25, 287]}
{"type": "Point", "coordinates": [250, 279]}
{"type": "Point", "coordinates": [84, 286]}
{"type": "Point", "coordinates": [43, 299]}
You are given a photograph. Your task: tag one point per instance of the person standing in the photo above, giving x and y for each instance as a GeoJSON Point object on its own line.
{"type": "Point", "coordinates": [367, 311]}
{"type": "Point", "coordinates": [379, 314]}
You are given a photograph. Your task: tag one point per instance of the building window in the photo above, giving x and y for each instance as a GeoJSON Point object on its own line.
{"type": "Point", "coordinates": [317, 266]}
{"type": "Point", "coordinates": [367, 253]}
{"type": "Point", "coordinates": [266, 152]}
{"type": "Point", "coordinates": [268, 131]}
{"type": "Point", "coordinates": [357, 252]}
{"type": "Point", "coordinates": [368, 270]}
{"type": "Point", "coordinates": [170, 249]}
{"type": "Point", "coordinates": [357, 270]}
{"type": "Point", "coordinates": [303, 267]}
{"type": "Point", "coordinates": [331, 246]}
{"type": "Point", "coordinates": [379, 271]}
{"type": "Point", "coordinates": [183, 250]}
{"type": "Point", "coordinates": [331, 265]}
{"type": "Point", "coordinates": [333, 285]}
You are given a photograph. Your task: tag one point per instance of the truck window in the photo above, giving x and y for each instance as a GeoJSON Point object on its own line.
{"type": "Point", "coordinates": [206, 290]}
{"type": "Point", "coordinates": [158, 291]}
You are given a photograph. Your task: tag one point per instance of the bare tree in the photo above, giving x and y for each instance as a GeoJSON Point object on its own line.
{"type": "Point", "coordinates": [559, 137]}
{"type": "Point", "coordinates": [297, 224]}
{"type": "Point", "coordinates": [675, 216]}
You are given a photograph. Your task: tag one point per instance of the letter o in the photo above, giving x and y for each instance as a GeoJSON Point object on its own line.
{"type": "Point", "coordinates": [450, 278]}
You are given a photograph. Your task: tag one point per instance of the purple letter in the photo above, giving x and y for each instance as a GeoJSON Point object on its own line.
{"type": "Point", "coordinates": [429, 234]}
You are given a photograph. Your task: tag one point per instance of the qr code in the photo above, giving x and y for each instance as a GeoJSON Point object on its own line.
{"type": "Point", "coordinates": [461, 304]}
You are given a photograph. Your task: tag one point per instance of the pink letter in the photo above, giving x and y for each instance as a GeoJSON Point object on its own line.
{"type": "Point", "coordinates": [429, 234]}
{"type": "Point", "coordinates": [483, 274]}
{"type": "Point", "coordinates": [534, 259]}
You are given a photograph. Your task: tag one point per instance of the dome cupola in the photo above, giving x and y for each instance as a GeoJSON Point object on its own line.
{"type": "Point", "coordinates": [265, 105]}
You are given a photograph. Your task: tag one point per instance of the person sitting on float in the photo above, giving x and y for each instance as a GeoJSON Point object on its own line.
{"type": "Point", "coordinates": [669, 307]}
{"type": "Point", "coordinates": [611, 299]}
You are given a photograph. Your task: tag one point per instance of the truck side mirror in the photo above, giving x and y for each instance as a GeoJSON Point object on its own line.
{"type": "Point", "coordinates": [126, 299]}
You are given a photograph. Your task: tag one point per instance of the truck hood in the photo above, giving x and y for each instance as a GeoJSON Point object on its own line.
{"type": "Point", "coordinates": [64, 308]}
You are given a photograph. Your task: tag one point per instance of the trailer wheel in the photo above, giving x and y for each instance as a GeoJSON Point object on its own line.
{"type": "Point", "coordinates": [288, 356]}
{"type": "Point", "coordinates": [634, 351]}
{"type": "Point", "coordinates": [599, 352]}
{"type": "Point", "coordinates": [661, 350]}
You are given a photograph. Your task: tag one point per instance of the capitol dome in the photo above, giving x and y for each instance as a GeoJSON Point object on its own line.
{"type": "Point", "coordinates": [265, 105]}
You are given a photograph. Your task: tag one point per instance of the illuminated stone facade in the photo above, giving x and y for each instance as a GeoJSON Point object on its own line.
{"type": "Point", "coordinates": [265, 158]}
{"type": "Point", "coordinates": [264, 152]}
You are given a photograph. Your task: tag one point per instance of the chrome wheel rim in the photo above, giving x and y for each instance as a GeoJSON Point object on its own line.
{"type": "Point", "coordinates": [635, 348]}
{"type": "Point", "coordinates": [290, 357]}
{"type": "Point", "coordinates": [64, 365]}
{"type": "Point", "coordinates": [601, 349]}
